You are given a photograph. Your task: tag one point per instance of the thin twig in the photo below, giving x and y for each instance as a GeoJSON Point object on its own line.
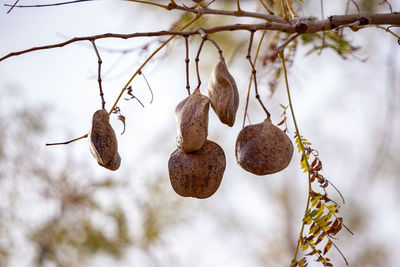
{"type": "Point", "coordinates": [337, 190]}
{"type": "Point", "coordinates": [323, 33]}
{"type": "Point", "coordinates": [148, 86]}
{"type": "Point", "coordinates": [197, 62]}
{"type": "Point", "coordinates": [239, 10]}
{"type": "Point", "coordinates": [254, 74]}
{"type": "Point", "coordinates": [187, 60]}
{"type": "Point", "coordinates": [383, 28]}
{"type": "Point", "coordinates": [344, 258]}
{"type": "Point", "coordinates": [290, 8]}
{"type": "Point", "coordinates": [205, 37]}
{"type": "Point", "coordinates": [130, 90]}
{"type": "Point", "coordinates": [287, 42]}
{"type": "Point", "coordinates": [16, 2]}
{"type": "Point", "coordinates": [284, 10]}
{"type": "Point", "coordinates": [208, 38]}
{"type": "Point", "coordinates": [251, 80]}
{"type": "Point", "coordinates": [346, 12]}
{"type": "Point", "coordinates": [205, 10]}
{"type": "Point", "coordinates": [155, 4]}
{"type": "Point", "coordinates": [151, 56]}
{"type": "Point", "coordinates": [355, 4]}
{"type": "Point", "coordinates": [67, 142]}
{"type": "Point", "coordinates": [46, 5]}
{"type": "Point", "coordinates": [103, 103]}
{"type": "Point", "coordinates": [266, 7]}
{"type": "Point", "coordinates": [387, 2]}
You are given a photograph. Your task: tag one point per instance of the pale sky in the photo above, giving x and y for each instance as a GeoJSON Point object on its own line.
{"type": "Point", "coordinates": [340, 109]}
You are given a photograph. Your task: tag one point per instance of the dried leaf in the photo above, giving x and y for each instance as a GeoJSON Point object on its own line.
{"type": "Point", "coordinates": [320, 238]}
{"type": "Point", "coordinates": [333, 208]}
{"type": "Point", "coordinates": [130, 90]}
{"type": "Point", "coordinates": [282, 122]}
{"type": "Point", "coordinates": [122, 118]}
{"type": "Point", "coordinates": [311, 253]}
{"type": "Point", "coordinates": [327, 246]}
{"type": "Point", "coordinates": [302, 262]}
{"type": "Point", "coordinates": [319, 166]}
{"type": "Point", "coordinates": [314, 228]}
{"type": "Point", "coordinates": [315, 162]}
{"type": "Point", "coordinates": [312, 179]}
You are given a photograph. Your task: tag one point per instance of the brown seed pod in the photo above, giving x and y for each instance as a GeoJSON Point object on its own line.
{"type": "Point", "coordinates": [197, 174]}
{"type": "Point", "coordinates": [223, 93]}
{"type": "Point", "coordinates": [192, 121]}
{"type": "Point", "coordinates": [103, 142]}
{"type": "Point", "coordinates": [263, 148]}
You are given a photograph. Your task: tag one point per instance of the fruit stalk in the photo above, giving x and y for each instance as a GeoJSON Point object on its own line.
{"type": "Point", "coordinates": [282, 58]}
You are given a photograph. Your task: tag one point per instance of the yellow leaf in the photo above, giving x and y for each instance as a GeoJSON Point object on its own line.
{"type": "Point", "coordinates": [327, 246]}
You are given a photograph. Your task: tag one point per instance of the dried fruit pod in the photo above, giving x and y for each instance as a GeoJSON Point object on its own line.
{"type": "Point", "coordinates": [223, 93]}
{"type": "Point", "coordinates": [103, 142]}
{"type": "Point", "coordinates": [192, 121]}
{"type": "Point", "coordinates": [263, 148]}
{"type": "Point", "coordinates": [197, 174]}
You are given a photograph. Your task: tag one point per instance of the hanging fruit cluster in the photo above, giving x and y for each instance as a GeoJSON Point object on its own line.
{"type": "Point", "coordinates": [197, 166]}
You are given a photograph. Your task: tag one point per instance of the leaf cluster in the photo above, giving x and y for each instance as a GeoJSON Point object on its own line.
{"type": "Point", "coordinates": [334, 40]}
{"type": "Point", "coordinates": [322, 214]}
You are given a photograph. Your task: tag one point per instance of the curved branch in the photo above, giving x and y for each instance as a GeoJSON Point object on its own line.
{"type": "Point", "coordinates": [45, 5]}
{"type": "Point", "coordinates": [298, 25]}
{"type": "Point", "coordinates": [241, 13]}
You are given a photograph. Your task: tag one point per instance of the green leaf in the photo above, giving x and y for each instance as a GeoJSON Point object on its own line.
{"type": "Point", "coordinates": [333, 208]}
{"type": "Point", "coordinates": [302, 262]}
{"type": "Point", "coordinates": [320, 210]}
{"type": "Point", "coordinates": [313, 213]}
{"type": "Point", "coordinates": [304, 246]}
{"type": "Point", "coordinates": [315, 201]}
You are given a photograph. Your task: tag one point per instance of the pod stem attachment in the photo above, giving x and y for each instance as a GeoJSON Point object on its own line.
{"type": "Point", "coordinates": [68, 142]}
{"type": "Point", "coordinates": [187, 60]}
{"type": "Point", "coordinates": [254, 72]}
{"type": "Point", "coordinates": [99, 61]}
{"type": "Point", "coordinates": [197, 59]}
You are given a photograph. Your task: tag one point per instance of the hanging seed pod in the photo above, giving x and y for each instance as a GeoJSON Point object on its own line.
{"type": "Point", "coordinates": [263, 148]}
{"type": "Point", "coordinates": [103, 142]}
{"type": "Point", "coordinates": [223, 93]}
{"type": "Point", "coordinates": [197, 174]}
{"type": "Point", "coordinates": [192, 121]}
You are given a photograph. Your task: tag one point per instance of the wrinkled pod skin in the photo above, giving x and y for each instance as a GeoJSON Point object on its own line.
{"type": "Point", "coordinates": [197, 174]}
{"type": "Point", "coordinates": [223, 93]}
{"type": "Point", "coordinates": [192, 121]}
{"type": "Point", "coordinates": [102, 141]}
{"type": "Point", "coordinates": [263, 148]}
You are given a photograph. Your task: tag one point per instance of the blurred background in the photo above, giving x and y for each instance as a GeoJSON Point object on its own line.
{"type": "Point", "coordinates": [58, 207]}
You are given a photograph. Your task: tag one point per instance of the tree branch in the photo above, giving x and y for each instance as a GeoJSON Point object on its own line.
{"type": "Point", "coordinates": [45, 5]}
{"type": "Point", "coordinates": [298, 25]}
{"type": "Point", "coordinates": [238, 13]}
